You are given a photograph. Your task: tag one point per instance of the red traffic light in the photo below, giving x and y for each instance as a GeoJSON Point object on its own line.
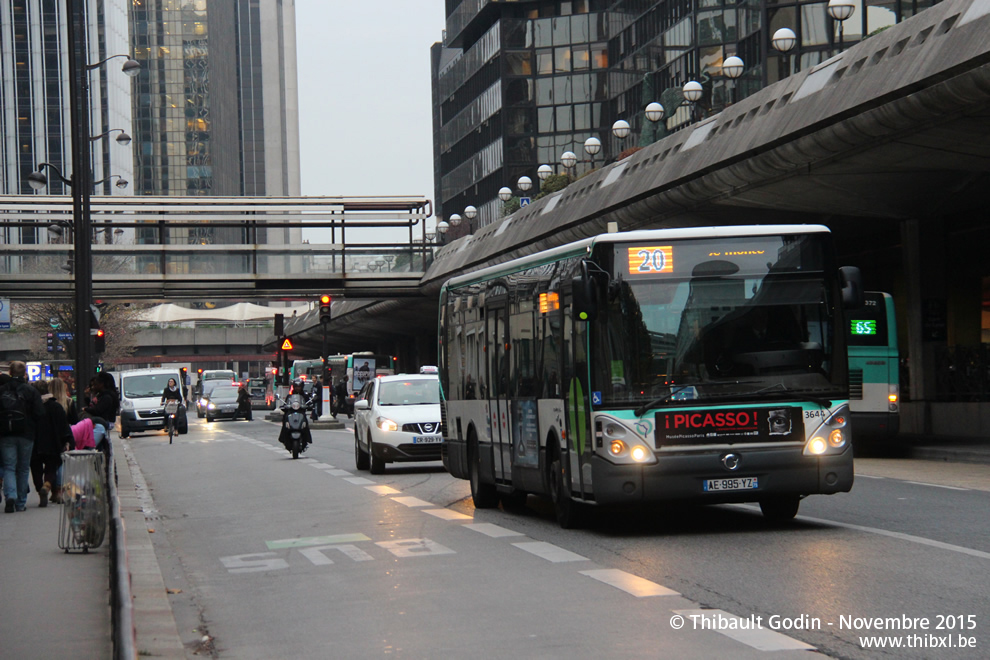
{"type": "Point", "coordinates": [100, 332]}
{"type": "Point", "coordinates": [325, 299]}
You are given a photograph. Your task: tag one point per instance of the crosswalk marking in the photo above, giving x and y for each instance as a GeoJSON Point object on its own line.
{"type": "Point", "coordinates": [411, 501]}
{"type": "Point", "coordinates": [358, 481]}
{"type": "Point", "coordinates": [383, 490]}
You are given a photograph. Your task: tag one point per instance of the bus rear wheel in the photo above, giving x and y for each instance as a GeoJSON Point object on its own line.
{"type": "Point", "coordinates": [484, 495]}
{"type": "Point", "coordinates": [781, 508]}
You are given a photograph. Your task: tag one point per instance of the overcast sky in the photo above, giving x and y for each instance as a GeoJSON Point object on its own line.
{"type": "Point", "coordinates": [364, 95]}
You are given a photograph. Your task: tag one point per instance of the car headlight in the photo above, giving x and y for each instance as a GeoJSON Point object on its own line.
{"type": "Point", "coordinates": [211, 406]}
{"type": "Point", "coordinates": [621, 444]}
{"type": "Point", "coordinates": [386, 424]}
{"type": "Point", "coordinates": [127, 404]}
{"type": "Point", "coordinates": [832, 436]}
{"type": "Point", "coordinates": [202, 402]}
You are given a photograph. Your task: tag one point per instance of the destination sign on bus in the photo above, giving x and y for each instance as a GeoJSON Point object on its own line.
{"type": "Point", "coordinates": [700, 427]}
{"type": "Point", "coordinates": [861, 327]}
{"type": "Point", "coordinates": [645, 260]}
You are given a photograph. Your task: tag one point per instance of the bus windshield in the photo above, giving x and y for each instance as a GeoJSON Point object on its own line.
{"type": "Point", "coordinates": [732, 318]}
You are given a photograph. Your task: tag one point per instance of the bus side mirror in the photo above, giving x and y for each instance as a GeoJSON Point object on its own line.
{"type": "Point", "coordinates": [584, 299]}
{"type": "Point", "coordinates": [852, 287]}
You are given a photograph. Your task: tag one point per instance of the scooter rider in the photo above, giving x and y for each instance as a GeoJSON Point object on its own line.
{"type": "Point", "coordinates": [284, 436]}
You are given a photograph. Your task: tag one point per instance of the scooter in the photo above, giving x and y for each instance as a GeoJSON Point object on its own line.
{"type": "Point", "coordinates": [295, 433]}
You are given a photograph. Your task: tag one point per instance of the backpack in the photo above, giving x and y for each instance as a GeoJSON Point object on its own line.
{"type": "Point", "coordinates": [13, 410]}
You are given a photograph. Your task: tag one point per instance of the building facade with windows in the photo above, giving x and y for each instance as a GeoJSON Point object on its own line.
{"type": "Point", "coordinates": [516, 84]}
{"type": "Point", "coordinates": [34, 95]}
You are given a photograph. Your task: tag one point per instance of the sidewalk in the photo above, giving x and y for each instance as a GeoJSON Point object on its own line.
{"type": "Point", "coordinates": [56, 605]}
{"type": "Point", "coordinates": [953, 450]}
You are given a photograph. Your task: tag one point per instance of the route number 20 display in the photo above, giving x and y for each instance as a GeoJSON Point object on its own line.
{"type": "Point", "coordinates": [651, 259]}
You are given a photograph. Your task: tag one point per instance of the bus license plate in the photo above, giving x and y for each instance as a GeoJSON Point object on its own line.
{"type": "Point", "coordinates": [735, 483]}
{"type": "Point", "coordinates": [427, 439]}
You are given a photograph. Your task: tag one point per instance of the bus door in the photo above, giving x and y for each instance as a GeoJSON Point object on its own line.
{"type": "Point", "coordinates": [497, 344]}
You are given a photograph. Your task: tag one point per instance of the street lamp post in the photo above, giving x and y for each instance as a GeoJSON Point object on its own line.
{"type": "Point", "coordinates": [592, 146]}
{"type": "Point", "coordinates": [733, 67]}
{"type": "Point", "coordinates": [784, 40]}
{"type": "Point", "coordinates": [693, 91]}
{"type": "Point", "coordinates": [83, 184]}
{"type": "Point", "coordinates": [840, 10]}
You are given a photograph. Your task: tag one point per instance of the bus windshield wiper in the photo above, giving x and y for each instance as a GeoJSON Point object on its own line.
{"type": "Point", "coordinates": [674, 389]}
{"type": "Point", "coordinates": [824, 403]}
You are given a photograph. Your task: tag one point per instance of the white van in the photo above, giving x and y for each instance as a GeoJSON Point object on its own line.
{"type": "Point", "coordinates": [141, 400]}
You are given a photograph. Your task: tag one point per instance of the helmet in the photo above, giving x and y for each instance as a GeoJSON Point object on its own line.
{"type": "Point", "coordinates": [297, 385]}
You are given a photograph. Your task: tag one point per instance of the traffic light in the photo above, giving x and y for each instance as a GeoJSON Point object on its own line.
{"type": "Point", "coordinates": [325, 302]}
{"type": "Point", "coordinates": [99, 341]}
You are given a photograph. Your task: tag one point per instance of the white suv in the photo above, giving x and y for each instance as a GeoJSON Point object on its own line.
{"type": "Point", "coordinates": [397, 419]}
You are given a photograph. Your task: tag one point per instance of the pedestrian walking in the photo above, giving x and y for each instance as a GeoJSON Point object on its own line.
{"type": "Point", "coordinates": [21, 411]}
{"type": "Point", "coordinates": [51, 437]}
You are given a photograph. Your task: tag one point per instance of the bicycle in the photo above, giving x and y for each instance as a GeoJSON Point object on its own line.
{"type": "Point", "coordinates": [171, 406]}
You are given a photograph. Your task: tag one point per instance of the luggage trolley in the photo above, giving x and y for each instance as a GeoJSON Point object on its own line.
{"type": "Point", "coordinates": [83, 517]}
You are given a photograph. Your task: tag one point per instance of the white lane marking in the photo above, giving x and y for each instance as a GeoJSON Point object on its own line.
{"type": "Point", "coordinates": [315, 540]}
{"type": "Point", "coordinates": [339, 473]}
{"type": "Point", "coordinates": [322, 466]}
{"type": "Point", "coordinates": [494, 531]}
{"type": "Point", "coordinates": [317, 556]}
{"type": "Point", "coordinates": [447, 514]}
{"type": "Point", "coordinates": [307, 460]}
{"type": "Point", "coordinates": [549, 552]}
{"type": "Point", "coordinates": [631, 584]}
{"type": "Point", "coordinates": [884, 532]}
{"type": "Point", "coordinates": [412, 501]}
{"type": "Point", "coordinates": [922, 483]}
{"type": "Point", "coordinates": [414, 547]}
{"type": "Point", "coordinates": [358, 481]}
{"type": "Point", "coordinates": [761, 639]}
{"type": "Point", "coordinates": [383, 490]}
{"type": "Point", "coordinates": [868, 476]}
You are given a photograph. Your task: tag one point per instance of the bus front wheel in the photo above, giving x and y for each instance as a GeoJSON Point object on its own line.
{"type": "Point", "coordinates": [781, 508]}
{"type": "Point", "coordinates": [484, 495]}
{"type": "Point", "coordinates": [569, 513]}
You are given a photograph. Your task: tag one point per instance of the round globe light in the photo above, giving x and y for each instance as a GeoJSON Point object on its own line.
{"type": "Point", "coordinates": [470, 212]}
{"type": "Point", "coordinates": [524, 183]}
{"type": "Point", "coordinates": [733, 67]}
{"type": "Point", "coordinates": [37, 180]}
{"type": "Point", "coordinates": [784, 39]}
{"type": "Point", "coordinates": [592, 146]}
{"type": "Point", "coordinates": [568, 159]}
{"type": "Point", "coordinates": [654, 112]}
{"type": "Point", "coordinates": [692, 91]}
{"type": "Point", "coordinates": [454, 220]}
{"type": "Point", "coordinates": [621, 129]}
{"type": "Point", "coordinates": [543, 171]}
{"type": "Point", "coordinates": [442, 227]}
{"type": "Point", "coordinates": [840, 10]}
{"type": "Point", "coordinates": [505, 193]}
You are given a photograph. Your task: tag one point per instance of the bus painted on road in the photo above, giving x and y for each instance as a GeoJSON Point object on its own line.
{"type": "Point", "coordinates": [874, 378]}
{"type": "Point", "coordinates": [696, 364]}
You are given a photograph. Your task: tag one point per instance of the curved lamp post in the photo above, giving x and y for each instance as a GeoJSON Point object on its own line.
{"type": "Point", "coordinates": [123, 139]}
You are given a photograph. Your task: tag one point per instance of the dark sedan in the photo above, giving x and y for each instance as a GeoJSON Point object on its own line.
{"type": "Point", "coordinates": [222, 402]}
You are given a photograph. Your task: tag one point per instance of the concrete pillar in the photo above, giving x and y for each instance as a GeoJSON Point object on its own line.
{"type": "Point", "coordinates": [924, 268]}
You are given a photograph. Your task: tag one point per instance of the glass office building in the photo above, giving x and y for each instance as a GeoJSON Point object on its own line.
{"type": "Point", "coordinates": [516, 84]}
{"type": "Point", "coordinates": [215, 110]}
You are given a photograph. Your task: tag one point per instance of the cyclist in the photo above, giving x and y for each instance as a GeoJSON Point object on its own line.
{"type": "Point", "coordinates": [171, 392]}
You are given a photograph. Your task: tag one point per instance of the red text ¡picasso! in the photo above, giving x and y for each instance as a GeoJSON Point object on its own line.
{"type": "Point", "coordinates": [734, 420]}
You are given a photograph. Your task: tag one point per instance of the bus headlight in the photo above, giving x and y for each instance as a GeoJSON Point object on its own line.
{"type": "Point", "coordinates": [639, 453]}
{"type": "Point", "coordinates": [617, 447]}
{"type": "Point", "coordinates": [386, 424]}
{"type": "Point", "coordinates": [832, 436]}
{"type": "Point", "coordinates": [622, 444]}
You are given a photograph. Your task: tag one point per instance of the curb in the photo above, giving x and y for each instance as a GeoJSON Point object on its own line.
{"type": "Point", "coordinates": [950, 455]}
{"type": "Point", "coordinates": [155, 630]}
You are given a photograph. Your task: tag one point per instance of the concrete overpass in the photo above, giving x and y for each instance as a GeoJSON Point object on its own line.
{"type": "Point", "coordinates": [887, 143]}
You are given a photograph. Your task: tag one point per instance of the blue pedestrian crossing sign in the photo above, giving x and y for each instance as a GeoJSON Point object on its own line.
{"type": "Point", "coordinates": [524, 201]}
{"type": "Point", "coordinates": [596, 398]}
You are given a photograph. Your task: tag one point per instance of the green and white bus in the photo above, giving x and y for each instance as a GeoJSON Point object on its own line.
{"type": "Point", "coordinates": [697, 364]}
{"type": "Point", "coordinates": [874, 376]}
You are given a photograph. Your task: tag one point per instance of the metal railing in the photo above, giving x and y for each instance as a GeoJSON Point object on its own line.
{"type": "Point", "coordinates": [228, 247]}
